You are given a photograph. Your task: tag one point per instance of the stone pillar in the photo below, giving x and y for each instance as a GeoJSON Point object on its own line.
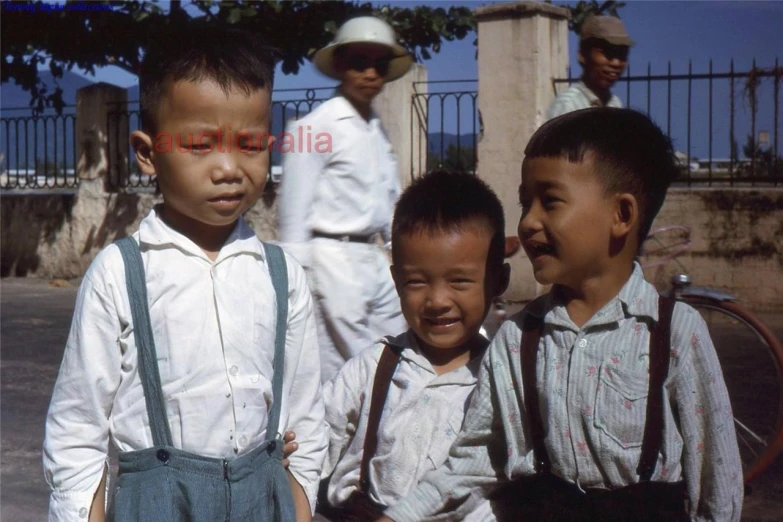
{"type": "Point", "coordinates": [405, 119]}
{"type": "Point", "coordinates": [522, 47]}
{"type": "Point", "coordinates": [102, 134]}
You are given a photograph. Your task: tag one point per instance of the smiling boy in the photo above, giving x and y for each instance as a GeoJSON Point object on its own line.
{"type": "Point", "coordinates": [395, 408]}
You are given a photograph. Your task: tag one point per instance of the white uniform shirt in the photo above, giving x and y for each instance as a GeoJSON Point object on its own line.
{"type": "Point", "coordinates": [349, 189]}
{"type": "Point", "coordinates": [421, 418]}
{"type": "Point", "coordinates": [578, 96]}
{"type": "Point", "coordinates": [214, 327]}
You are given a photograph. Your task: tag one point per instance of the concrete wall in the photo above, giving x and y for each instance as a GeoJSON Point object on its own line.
{"type": "Point", "coordinates": [737, 236]}
{"type": "Point", "coordinates": [394, 108]}
{"type": "Point", "coordinates": [737, 244]}
{"type": "Point", "coordinates": [56, 236]}
{"type": "Point", "coordinates": [522, 46]}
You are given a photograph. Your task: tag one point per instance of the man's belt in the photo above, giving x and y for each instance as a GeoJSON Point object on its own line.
{"type": "Point", "coordinates": [353, 238]}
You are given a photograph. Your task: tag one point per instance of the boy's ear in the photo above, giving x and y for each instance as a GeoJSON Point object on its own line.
{"type": "Point", "coordinates": [626, 215]}
{"type": "Point", "coordinates": [503, 279]}
{"type": "Point", "coordinates": [144, 151]}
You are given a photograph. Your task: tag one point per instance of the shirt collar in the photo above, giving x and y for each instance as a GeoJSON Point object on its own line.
{"type": "Point", "coordinates": [594, 100]}
{"type": "Point", "coordinates": [154, 231]}
{"type": "Point", "coordinates": [343, 109]}
{"type": "Point", "coordinates": [637, 298]}
{"type": "Point", "coordinates": [411, 351]}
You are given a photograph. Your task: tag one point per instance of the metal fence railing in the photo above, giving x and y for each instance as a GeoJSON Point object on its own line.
{"type": "Point", "coordinates": [725, 125]}
{"type": "Point", "coordinates": [445, 126]}
{"type": "Point", "coordinates": [38, 151]}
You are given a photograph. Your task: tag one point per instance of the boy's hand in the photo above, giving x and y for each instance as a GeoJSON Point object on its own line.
{"type": "Point", "coordinates": [289, 447]}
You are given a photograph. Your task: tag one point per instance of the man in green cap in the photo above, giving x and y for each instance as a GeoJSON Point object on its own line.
{"type": "Point", "coordinates": [603, 52]}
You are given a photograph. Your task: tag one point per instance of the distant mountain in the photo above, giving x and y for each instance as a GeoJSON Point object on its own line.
{"type": "Point", "coordinates": [436, 142]}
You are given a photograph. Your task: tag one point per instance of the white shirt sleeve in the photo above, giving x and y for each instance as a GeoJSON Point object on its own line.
{"type": "Point", "coordinates": [302, 375]}
{"type": "Point", "coordinates": [301, 171]}
{"type": "Point", "coordinates": [343, 402]}
{"type": "Point", "coordinates": [77, 426]}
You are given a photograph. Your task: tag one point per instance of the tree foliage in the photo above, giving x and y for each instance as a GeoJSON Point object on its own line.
{"type": "Point", "coordinates": [115, 32]}
{"type": "Point", "coordinates": [584, 9]}
{"type": "Point", "coordinates": [112, 32]}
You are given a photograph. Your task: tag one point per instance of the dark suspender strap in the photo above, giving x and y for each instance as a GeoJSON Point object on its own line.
{"type": "Point", "coordinates": [278, 271]}
{"type": "Point", "coordinates": [660, 351]}
{"type": "Point", "coordinates": [531, 334]}
{"type": "Point", "coordinates": [149, 374]}
{"type": "Point", "coordinates": [380, 389]}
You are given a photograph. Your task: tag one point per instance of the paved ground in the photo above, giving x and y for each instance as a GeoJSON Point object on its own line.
{"type": "Point", "coordinates": [34, 322]}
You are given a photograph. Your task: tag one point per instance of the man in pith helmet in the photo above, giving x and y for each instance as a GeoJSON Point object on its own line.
{"type": "Point", "coordinates": [336, 202]}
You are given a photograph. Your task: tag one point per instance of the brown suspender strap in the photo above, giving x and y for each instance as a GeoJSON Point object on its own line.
{"type": "Point", "coordinates": [380, 389]}
{"type": "Point", "coordinates": [531, 334]}
{"type": "Point", "coordinates": [660, 352]}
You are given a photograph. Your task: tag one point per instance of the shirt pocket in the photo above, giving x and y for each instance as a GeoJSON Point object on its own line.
{"type": "Point", "coordinates": [621, 405]}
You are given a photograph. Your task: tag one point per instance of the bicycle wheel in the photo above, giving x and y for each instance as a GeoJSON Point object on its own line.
{"type": "Point", "coordinates": [751, 358]}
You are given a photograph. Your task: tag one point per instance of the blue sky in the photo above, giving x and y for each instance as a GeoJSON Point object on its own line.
{"type": "Point", "coordinates": [665, 31]}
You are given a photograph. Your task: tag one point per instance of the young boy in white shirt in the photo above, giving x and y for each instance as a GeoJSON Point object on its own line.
{"type": "Point", "coordinates": [600, 401]}
{"type": "Point", "coordinates": [193, 345]}
{"type": "Point", "coordinates": [395, 409]}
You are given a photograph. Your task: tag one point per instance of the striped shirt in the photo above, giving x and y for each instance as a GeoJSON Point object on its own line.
{"type": "Point", "coordinates": [593, 396]}
{"type": "Point", "coordinates": [578, 96]}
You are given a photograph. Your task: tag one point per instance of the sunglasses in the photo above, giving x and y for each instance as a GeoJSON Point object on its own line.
{"type": "Point", "coordinates": [360, 63]}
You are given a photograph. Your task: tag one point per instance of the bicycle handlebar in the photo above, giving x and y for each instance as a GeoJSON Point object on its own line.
{"type": "Point", "coordinates": [674, 250]}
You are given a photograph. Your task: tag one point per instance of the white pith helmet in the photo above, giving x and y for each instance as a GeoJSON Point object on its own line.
{"type": "Point", "coordinates": [365, 29]}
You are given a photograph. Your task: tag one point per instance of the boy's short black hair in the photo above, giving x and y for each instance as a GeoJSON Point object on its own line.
{"type": "Point", "coordinates": [233, 58]}
{"type": "Point", "coordinates": [443, 200]}
{"type": "Point", "coordinates": [630, 153]}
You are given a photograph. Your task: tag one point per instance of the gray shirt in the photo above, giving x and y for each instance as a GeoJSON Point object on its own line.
{"type": "Point", "coordinates": [593, 395]}
{"type": "Point", "coordinates": [578, 96]}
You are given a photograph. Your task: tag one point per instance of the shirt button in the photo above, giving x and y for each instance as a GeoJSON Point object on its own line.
{"type": "Point", "coordinates": [83, 513]}
{"type": "Point", "coordinates": [233, 370]}
{"type": "Point", "coordinates": [243, 441]}
{"type": "Point", "coordinates": [582, 343]}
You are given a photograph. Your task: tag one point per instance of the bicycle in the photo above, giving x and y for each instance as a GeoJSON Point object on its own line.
{"type": "Point", "coordinates": [750, 354]}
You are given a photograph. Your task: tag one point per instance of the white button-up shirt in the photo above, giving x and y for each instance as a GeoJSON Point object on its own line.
{"type": "Point", "coordinates": [593, 384]}
{"type": "Point", "coordinates": [351, 188]}
{"type": "Point", "coordinates": [214, 328]}
{"type": "Point", "coordinates": [578, 96]}
{"type": "Point", "coordinates": [421, 418]}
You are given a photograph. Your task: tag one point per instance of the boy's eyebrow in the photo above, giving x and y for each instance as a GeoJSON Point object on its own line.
{"type": "Point", "coordinates": [542, 185]}
{"type": "Point", "coordinates": [208, 128]}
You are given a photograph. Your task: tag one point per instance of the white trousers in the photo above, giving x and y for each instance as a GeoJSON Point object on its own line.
{"type": "Point", "coordinates": [355, 300]}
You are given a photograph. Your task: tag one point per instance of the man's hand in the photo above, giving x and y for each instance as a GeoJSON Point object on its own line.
{"type": "Point", "coordinates": [384, 519]}
{"type": "Point", "coordinates": [289, 447]}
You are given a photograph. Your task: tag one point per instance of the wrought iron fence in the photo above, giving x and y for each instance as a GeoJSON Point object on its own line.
{"type": "Point", "coordinates": [124, 173]}
{"type": "Point", "coordinates": [699, 109]}
{"type": "Point", "coordinates": [445, 126]}
{"type": "Point", "coordinates": [37, 151]}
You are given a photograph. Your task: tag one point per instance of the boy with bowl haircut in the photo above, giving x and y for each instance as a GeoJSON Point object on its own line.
{"type": "Point", "coordinates": [193, 344]}
{"type": "Point", "coordinates": [600, 400]}
{"type": "Point", "coordinates": [394, 409]}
